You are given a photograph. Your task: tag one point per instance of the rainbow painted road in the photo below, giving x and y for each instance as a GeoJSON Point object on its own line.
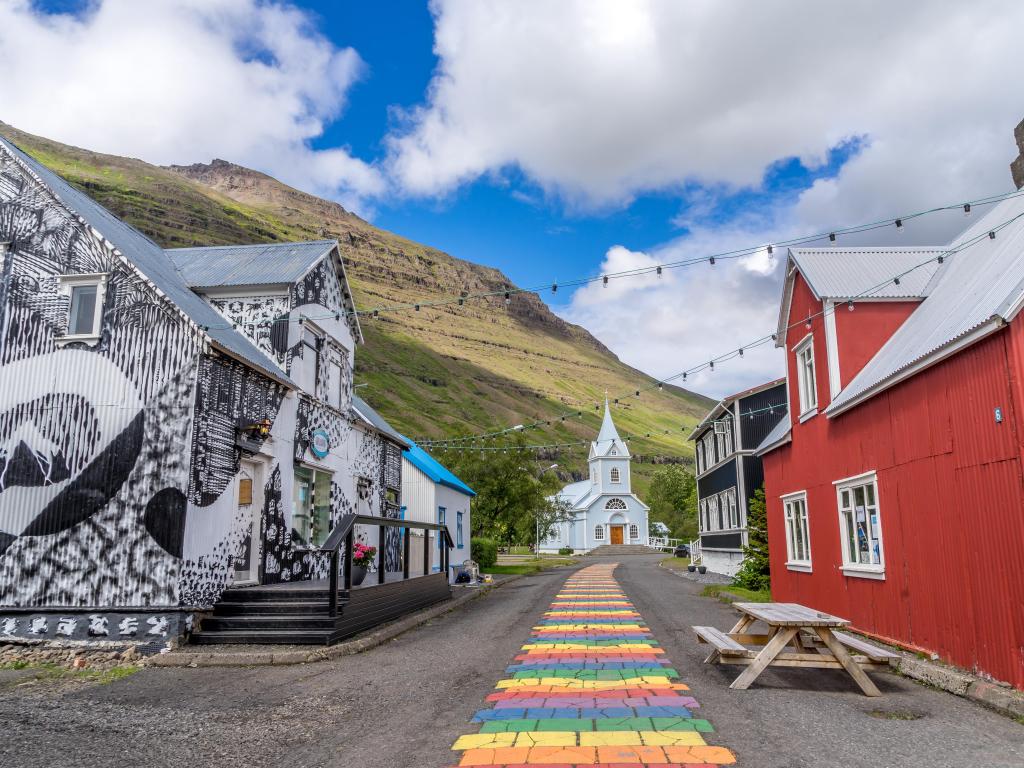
{"type": "Point", "coordinates": [591, 688]}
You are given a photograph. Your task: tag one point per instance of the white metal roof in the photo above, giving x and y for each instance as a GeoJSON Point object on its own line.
{"type": "Point", "coordinates": [780, 435]}
{"type": "Point", "coordinates": [974, 292]}
{"type": "Point", "coordinates": [843, 273]}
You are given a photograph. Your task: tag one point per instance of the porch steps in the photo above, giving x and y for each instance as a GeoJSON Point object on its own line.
{"type": "Point", "coordinates": [301, 614]}
{"type": "Point", "coordinates": [616, 550]}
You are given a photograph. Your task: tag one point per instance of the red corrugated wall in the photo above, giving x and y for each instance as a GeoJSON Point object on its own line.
{"type": "Point", "coordinates": [951, 498]}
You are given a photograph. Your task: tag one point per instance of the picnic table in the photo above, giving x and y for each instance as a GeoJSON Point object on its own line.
{"type": "Point", "coordinates": [816, 640]}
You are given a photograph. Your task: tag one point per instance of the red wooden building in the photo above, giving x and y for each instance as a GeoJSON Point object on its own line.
{"type": "Point", "coordinates": [896, 487]}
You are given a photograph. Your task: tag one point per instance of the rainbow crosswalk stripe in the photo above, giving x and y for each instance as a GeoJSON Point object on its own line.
{"type": "Point", "coordinates": [591, 688]}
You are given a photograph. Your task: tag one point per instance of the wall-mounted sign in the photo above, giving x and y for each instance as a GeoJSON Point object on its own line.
{"type": "Point", "coordinates": [320, 443]}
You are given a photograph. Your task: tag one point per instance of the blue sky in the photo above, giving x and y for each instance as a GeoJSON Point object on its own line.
{"type": "Point", "coordinates": [557, 140]}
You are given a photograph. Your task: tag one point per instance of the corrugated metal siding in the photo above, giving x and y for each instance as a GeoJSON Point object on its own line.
{"type": "Point", "coordinates": [844, 272]}
{"type": "Point", "coordinates": [753, 478]}
{"type": "Point", "coordinates": [755, 421]}
{"type": "Point", "coordinates": [260, 264]}
{"type": "Point", "coordinates": [951, 501]}
{"type": "Point", "coordinates": [719, 479]}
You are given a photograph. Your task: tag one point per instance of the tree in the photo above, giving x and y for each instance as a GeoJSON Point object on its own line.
{"type": "Point", "coordinates": [511, 491]}
{"type": "Point", "coordinates": [755, 573]}
{"type": "Point", "coordinates": [673, 501]}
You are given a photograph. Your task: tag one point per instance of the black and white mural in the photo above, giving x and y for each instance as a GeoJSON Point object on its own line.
{"type": "Point", "coordinates": [264, 319]}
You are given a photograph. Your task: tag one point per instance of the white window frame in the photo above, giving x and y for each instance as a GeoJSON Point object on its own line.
{"type": "Point", "coordinates": [698, 455]}
{"type": "Point", "coordinates": [851, 567]}
{"type": "Point", "coordinates": [807, 390]}
{"type": "Point", "coordinates": [634, 531]}
{"type": "Point", "coordinates": [99, 281]}
{"type": "Point", "coordinates": [729, 447]}
{"type": "Point", "coordinates": [615, 475]}
{"type": "Point", "coordinates": [709, 450]}
{"type": "Point", "coordinates": [732, 510]}
{"type": "Point", "coordinates": [598, 532]}
{"type": "Point", "coordinates": [790, 504]}
{"type": "Point", "coordinates": [702, 508]}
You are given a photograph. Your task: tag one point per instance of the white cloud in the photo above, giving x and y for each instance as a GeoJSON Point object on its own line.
{"type": "Point", "coordinates": [596, 102]}
{"type": "Point", "coordinates": [599, 100]}
{"type": "Point", "coordinates": [185, 81]}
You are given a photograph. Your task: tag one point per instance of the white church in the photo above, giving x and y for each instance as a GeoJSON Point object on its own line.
{"type": "Point", "coordinates": [604, 508]}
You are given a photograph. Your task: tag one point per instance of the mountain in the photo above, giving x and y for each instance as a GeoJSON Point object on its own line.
{"type": "Point", "coordinates": [438, 372]}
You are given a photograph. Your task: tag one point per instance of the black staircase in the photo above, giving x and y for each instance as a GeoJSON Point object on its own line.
{"type": "Point", "coordinates": [324, 612]}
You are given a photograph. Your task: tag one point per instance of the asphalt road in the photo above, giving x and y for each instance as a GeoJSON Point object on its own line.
{"type": "Point", "coordinates": [404, 703]}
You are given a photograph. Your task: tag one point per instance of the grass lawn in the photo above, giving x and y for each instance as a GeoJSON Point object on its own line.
{"type": "Point", "coordinates": [726, 593]}
{"type": "Point", "coordinates": [529, 566]}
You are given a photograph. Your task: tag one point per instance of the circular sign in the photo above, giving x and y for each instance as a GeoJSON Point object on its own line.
{"type": "Point", "coordinates": [320, 443]}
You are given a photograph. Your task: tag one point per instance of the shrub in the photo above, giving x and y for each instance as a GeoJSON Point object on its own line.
{"type": "Point", "coordinates": [485, 551]}
{"type": "Point", "coordinates": [755, 573]}
{"type": "Point", "coordinates": [565, 551]}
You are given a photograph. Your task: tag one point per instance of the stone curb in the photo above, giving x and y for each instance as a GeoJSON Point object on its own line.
{"type": "Point", "coordinates": [182, 658]}
{"type": "Point", "coordinates": [1003, 699]}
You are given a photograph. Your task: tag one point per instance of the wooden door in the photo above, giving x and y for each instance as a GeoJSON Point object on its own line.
{"type": "Point", "coordinates": [616, 534]}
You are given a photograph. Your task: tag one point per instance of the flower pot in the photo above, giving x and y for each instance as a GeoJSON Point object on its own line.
{"type": "Point", "coordinates": [358, 574]}
{"type": "Point", "coordinates": [702, 569]}
{"type": "Point", "coordinates": [691, 568]}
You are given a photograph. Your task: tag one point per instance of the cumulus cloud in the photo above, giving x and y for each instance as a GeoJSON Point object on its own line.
{"type": "Point", "coordinates": [180, 81]}
{"type": "Point", "coordinates": [598, 102]}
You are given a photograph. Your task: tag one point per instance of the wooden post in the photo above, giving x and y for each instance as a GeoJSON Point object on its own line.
{"type": "Point", "coordinates": [405, 553]}
{"type": "Point", "coordinates": [380, 556]}
{"type": "Point", "coordinates": [333, 602]}
{"type": "Point", "coordinates": [426, 552]}
{"type": "Point", "coordinates": [349, 541]}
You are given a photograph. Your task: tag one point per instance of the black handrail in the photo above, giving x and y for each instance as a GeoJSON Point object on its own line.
{"type": "Point", "coordinates": [344, 533]}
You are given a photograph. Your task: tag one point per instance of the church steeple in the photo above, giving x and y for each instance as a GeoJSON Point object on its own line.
{"type": "Point", "coordinates": [608, 442]}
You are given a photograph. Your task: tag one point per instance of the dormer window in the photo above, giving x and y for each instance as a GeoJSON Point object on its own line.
{"type": "Point", "coordinates": [613, 452]}
{"type": "Point", "coordinates": [807, 383]}
{"type": "Point", "coordinates": [614, 474]}
{"type": "Point", "coordinates": [85, 305]}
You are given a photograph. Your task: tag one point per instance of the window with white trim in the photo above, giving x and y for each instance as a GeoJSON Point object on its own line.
{"type": "Point", "coordinates": [702, 515]}
{"type": "Point", "coordinates": [860, 524]}
{"type": "Point", "coordinates": [634, 531]}
{"type": "Point", "coordinates": [798, 540]}
{"type": "Point", "coordinates": [709, 449]}
{"type": "Point", "coordinates": [807, 382]}
{"type": "Point", "coordinates": [698, 453]}
{"type": "Point", "coordinates": [598, 533]}
{"type": "Point", "coordinates": [311, 342]}
{"type": "Point", "coordinates": [727, 438]}
{"type": "Point", "coordinates": [732, 512]}
{"type": "Point", "coordinates": [85, 307]}
{"type": "Point", "coordinates": [614, 474]}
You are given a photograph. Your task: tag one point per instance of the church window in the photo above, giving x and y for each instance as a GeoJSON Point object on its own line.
{"type": "Point", "coordinates": [599, 533]}
{"type": "Point", "coordinates": [613, 452]}
{"type": "Point", "coordinates": [615, 504]}
{"type": "Point", "coordinates": [634, 531]}
{"type": "Point", "coordinates": [615, 474]}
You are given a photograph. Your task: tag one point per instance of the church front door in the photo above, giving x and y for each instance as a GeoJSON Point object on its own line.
{"type": "Point", "coordinates": [616, 534]}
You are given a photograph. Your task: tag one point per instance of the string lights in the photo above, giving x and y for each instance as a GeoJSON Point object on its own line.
{"type": "Point", "coordinates": [736, 353]}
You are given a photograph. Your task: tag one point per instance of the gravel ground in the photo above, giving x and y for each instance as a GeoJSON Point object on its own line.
{"type": "Point", "coordinates": [403, 704]}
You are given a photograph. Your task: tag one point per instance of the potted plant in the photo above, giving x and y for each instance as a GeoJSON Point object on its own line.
{"type": "Point", "coordinates": [362, 558]}
{"type": "Point", "coordinates": [691, 567]}
{"type": "Point", "coordinates": [702, 569]}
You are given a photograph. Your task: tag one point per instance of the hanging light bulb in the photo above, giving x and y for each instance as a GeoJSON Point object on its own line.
{"type": "Point", "coordinates": [638, 393]}
{"type": "Point", "coordinates": [711, 364]}
{"type": "Point", "coordinates": [684, 376]}
{"type": "Point", "coordinates": [992, 235]}
{"type": "Point", "coordinates": [659, 271]}
{"type": "Point", "coordinates": [808, 324]}
{"type": "Point", "coordinates": [660, 385]}
{"type": "Point", "coordinates": [712, 260]}
{"type": "Point", "coordinates": [849, 305]}
{"type": "Point", "coordinates": [554, 287]}
{"type": "Point", "coordinates": [899, 225]}
{"type": "Point", "coordinates": [417, 307]}
{"type": "Point", "coordinates": [741, 351]}
{"type": "Point", "coordinates": [940, 259]}
{"type": "Point", "coordinates": [376, 313]}
{"type": "Point", "coordinates": [508, 298]}
{"type": "Point", "coordinates": [604, 280]}
{"type": "Point", "coordinates": [896, 281]}
{"type": "Point", "coordinates": [770, 249]}
{"type": "Point", "coordinates": [832, 237]}
{"type": "Point", "coordinates": [967, 209]}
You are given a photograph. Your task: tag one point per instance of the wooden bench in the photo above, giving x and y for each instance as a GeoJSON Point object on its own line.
{"type": "Point", "coordinates": [720, 641]}
{"type": "Point", "coordinates": [875, 653]}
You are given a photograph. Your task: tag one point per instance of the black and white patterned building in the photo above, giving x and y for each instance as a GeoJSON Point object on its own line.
{"type": "Point", "coordinates": [171, 422]}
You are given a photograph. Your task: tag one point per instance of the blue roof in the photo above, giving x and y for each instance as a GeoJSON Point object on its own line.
{"type": "Point", "coordinates": [434, 469]}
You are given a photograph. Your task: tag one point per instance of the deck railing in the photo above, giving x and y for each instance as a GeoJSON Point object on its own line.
{"type": "Point", "coordinates": [343, 535]}
{"type": "Point", "coordinates": [696, 555]}
{"type": "Point", "coordinates": [661, 542]}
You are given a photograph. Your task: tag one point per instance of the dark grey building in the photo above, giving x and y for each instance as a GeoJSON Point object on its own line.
{"type": "Point", "coordinates": [728, 472]}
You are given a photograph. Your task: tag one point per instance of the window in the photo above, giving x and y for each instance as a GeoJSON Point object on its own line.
{"type": "Point", "coordinates": [860, 525]}
{"type": "Point", "coordinates": [615, 504]}
{"type": "Point", "coordinates": [709, 450]}
{"type": "Point", "coordinates": [634, 531]}
{"type": "Point", "coordinates": [333, 394]}
{"type": "Point", "coordinates": [458, 531]}
{"type": "Point", "coordinates": [798, 540]}
{"type": "Point", "coordinates": [720, 446]}
{"type": "Point", "coordinates": [731, 509]}
{"type": "Point", "coordinates": [807, 384]}
{"type": "Point", "coordinates": [310, 342]}
{"type": "Point", "coordinates": [441, 511]}
{"type": "Point", "coordinates": [311, 505]}
{"type": "Point", "coordinates": [598, 533]}
{"type": "Point", "coordinates": [703, 514]}
{"type": "Point", "coordinates": [615, 474]}
{"type": "Point", "coordinates": [85, 308]}
{"type": "Point", "coordinates": [727, 439]}
{"type": "Point", "coordinates": [699, 457]}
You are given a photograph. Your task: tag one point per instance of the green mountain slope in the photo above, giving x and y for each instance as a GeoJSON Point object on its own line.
{"type": "Point", "coordinates": [439, 372]}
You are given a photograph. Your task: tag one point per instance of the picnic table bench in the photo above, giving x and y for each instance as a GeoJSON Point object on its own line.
{"type": "Point", "coordinates": [814, 636]}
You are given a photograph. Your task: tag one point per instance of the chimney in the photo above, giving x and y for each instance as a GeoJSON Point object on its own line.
{"type": "Point", "coordinates": [1017, 166]}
